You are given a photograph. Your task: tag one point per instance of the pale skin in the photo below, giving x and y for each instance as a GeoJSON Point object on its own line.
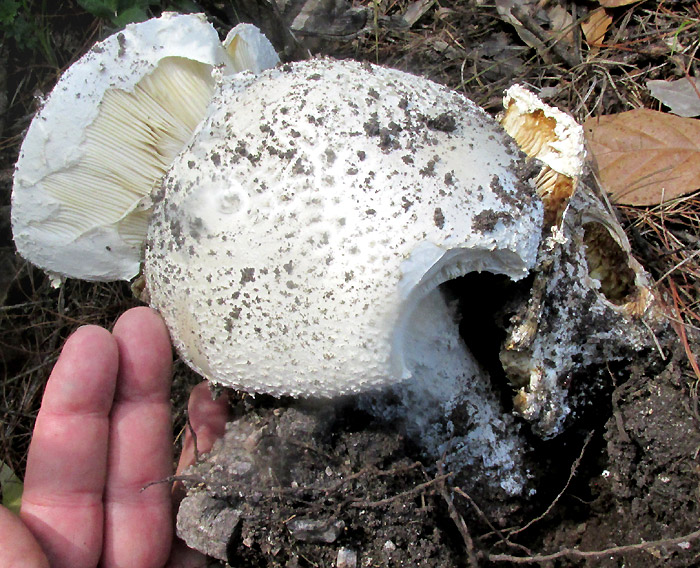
{"type": "Point", "coordinates": [103, 433]}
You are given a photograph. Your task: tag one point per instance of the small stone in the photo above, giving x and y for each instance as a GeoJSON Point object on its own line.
{"type": "Point", "coordinates": [347, 558]}
{"type": "Point", "coordinates": [389, 546]}
{"type": "Point", "coordinates": [205, 524]}
{"type": "Point", "coordinates": [311, 530]}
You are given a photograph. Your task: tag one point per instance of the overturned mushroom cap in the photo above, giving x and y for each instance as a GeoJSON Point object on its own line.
{"type": "Point", "coordinates": [107, 134]}
{"type": "Point", "coordinates": [314, 209]}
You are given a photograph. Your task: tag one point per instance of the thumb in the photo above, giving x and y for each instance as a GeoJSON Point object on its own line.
{"type": "Point", "coordinates": [208, 419]}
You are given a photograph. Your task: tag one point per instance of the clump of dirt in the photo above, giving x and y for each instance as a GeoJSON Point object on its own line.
{"type": "Point", "coordinates": [647, 489]}
{"type": "Point", "coordinates": [299, 485]}
{"type": "Point", "coordinates": [295, 484]}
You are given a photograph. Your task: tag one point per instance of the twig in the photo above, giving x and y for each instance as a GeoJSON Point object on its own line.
{"type": "Point", "coordinates": [529, 23]}
{"type": "Point", "coordinates": [574, 467]}
{"type": "Point", "coordinates": [494, 530]}
{"type": "Point", "coordinates": [458, 520]}
{"type": "Point", "coordinates": [369, 470]}
{"type": "Point", "coordinates": [655, 339]}
{"type": "Point", "coordinates": [680, 329]}
{"type": "Point", "coordinates": [677, 265]}
{"type": "Point", "coordinates": [417, 489]}
{"type": "Point", "coordinates": [194, 439]}
{"type": "Point", "coordinates": [578, 554]}
{"type": "Point", "coordinates": [172, 479]}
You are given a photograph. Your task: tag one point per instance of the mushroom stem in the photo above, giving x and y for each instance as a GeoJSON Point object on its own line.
{"type": "Point", "coordinates": [447, 385]}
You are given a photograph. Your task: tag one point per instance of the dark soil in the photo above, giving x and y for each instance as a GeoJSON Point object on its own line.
{"type": "Point", "coordinates": [633, 452]}
{"type": "Point", "coordinates": [309, 487]}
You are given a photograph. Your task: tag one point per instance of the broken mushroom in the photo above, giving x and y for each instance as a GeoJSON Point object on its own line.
{"type": "Point", "coordinates": [310, 214]}
{"type": "Point", "coordinates": [591, 302]}
{"type": "Point", "coordinates": [306, 228]}
{"type": "Point", "coordinates": [106, 135]}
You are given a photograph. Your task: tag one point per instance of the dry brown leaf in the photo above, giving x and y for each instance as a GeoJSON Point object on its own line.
{"type": "Point", "coordinates": [616, 3]}
{"type": "Point", "coordinates": [416, 10]}
{"type": "Point", "coordinates": [682, 96]}
{"type": "Point", "coordinates": [595, 26]}
{"type": "Point", "coordinates": [561, 24]}
{"type": "Point", "coordinates": [645, 156]}
{"type": "Point", "coordinates": [505, 10]}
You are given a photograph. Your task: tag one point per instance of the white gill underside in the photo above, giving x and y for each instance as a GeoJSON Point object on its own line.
{"type": "Point", "coordinates": [128, 149]}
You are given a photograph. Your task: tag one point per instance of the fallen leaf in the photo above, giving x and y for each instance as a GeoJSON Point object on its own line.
{"type": "Point", "coordinates": [681, 96]}
{"type": "Point", "coordinates": [645, 156]}
{"type": "Point", "coordinates": [505, 8]}
{"type": "Point", "coordinates": [595, 26]}
{"type": "Point", "coordinates": [416, 10]}
{"type": "Point", "coordinates": [11, 488]}
{"type": "Point", "coordinates": [561, 24]}
{"type": "Point", "coordinates": [616, 3]}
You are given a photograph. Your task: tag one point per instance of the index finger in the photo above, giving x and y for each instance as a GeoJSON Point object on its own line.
{"type": "Point", "coordinates": [67, 461]}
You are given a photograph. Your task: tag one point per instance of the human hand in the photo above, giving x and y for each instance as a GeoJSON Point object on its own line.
{"type": "Point", "coordinates": [104, 433]}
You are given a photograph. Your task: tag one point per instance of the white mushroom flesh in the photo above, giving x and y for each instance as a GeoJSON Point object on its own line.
{"type": "Point", "coordinates": [450, 406]}
{"type": "Point", "coordinates": [249, 49]}
{"type": "Point", "coordinates": [554, 138]}
{"type": "Point", "coordinates": [123, 165]}
{"type": "Point", "coordinates": [544, 131]}
{"type": "Point", "coordinates": [314, 209]}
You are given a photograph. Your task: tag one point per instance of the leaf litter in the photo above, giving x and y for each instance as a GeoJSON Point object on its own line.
{"type": "Point", "coordinates": [681, 96]}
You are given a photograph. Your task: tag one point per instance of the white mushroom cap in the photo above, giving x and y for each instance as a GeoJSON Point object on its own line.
{"type": "Point", "coordinates": [103, 140]}
{"type": "Point", "coordinates": [316, 206]}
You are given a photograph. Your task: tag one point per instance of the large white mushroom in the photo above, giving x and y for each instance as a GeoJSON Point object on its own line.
{"type": "Point", "coordinates": [315, 208]}
{"type": "Point", "coordinates": [310, 214]}
{"type": "Point", "coordinates": [108, 132]}
{"type": "Point", "coordinates": [300, 223]}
